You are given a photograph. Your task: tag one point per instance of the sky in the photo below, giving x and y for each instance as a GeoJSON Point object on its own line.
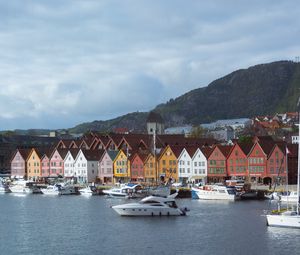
{"type": "Point", "coordinates": [63, 63]}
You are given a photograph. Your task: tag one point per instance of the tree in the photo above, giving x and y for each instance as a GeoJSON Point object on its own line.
{"type": "Point", "coordinates": [197, 132]}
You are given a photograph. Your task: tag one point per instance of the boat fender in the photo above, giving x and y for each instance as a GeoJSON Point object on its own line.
{"type": "Point", "coordinates": [159, 213]}
{"type": "Point", "coordinates": [152, 214]}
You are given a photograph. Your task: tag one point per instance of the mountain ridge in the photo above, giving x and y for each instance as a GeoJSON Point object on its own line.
{"type": "Point", "coordinates": [261, 89]}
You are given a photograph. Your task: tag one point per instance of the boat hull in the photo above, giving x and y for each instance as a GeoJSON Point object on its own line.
{"type": "Point", "coordinates": [292, 221]}
{"type": "Point", "coordinates": [213, 195]}
{"type": "Point", "coordinates": [147, 211]}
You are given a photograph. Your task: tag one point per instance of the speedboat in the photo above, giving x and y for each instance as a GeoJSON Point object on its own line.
{"type": "Point", "coordinates": [215, 192]}
{"type": "Point", "coordinates": [125, 191]}
{"type": "Point", "coordinates": [151, 206]}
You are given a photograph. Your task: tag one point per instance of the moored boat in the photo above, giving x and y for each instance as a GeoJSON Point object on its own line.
{"type": "Point", "coordinates": [215, 192]}
{"type": "Point", "coordinates": [126, 190]}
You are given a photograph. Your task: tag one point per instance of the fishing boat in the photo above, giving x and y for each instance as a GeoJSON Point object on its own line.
{"type": "Point", "coordinates": [151, 206]}
{"type": "Point", "coordinates": [288, 218]}
{"type": "Point", "coordinates": [214, 192]}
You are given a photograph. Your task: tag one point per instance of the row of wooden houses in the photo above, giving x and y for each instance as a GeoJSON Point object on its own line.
{"type": "Point", "coordinates": [114, 158]}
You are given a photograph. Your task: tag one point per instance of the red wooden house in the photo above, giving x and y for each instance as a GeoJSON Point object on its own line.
{"type": "Point", "coordinates": [216, 164]}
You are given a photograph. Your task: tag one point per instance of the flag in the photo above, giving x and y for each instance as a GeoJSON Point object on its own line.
{"type": "Point", "coordinates": [287, 150]}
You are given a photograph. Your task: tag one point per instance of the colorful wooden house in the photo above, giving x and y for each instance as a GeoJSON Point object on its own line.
{"type": "Point", "coordinates": [257, 161]}
{"type": "Point", "coordinates": [276, 164]}
{"type": "Point", "coordinates": [167, 163]}
{"type": "Point", "coordinates": [106, 167]}
{"type": "Point", "coordinates": [217, 169]}
{"type": "Point", "coordinates": [199, 163]}
{"type": "Point", "coordinates": [45, 163]}
{"type": "Point", "coordinates": [18, 163]}
{"type": "Point", "coordinates": [69, 163]}
{"type": "Point", "coordinates": [34, 165]}
{"type": "Point", "coordinates": [237, 161]}
{"type": "Point", "coordinates": [57, 162]}
{"type": "Point", "coordinates": [86, 165]}
{"type": "Point", "coordinates": [185, 165]}
{"type": "Point", "coordinates": [137, 167]}
{"type": "Point", "coordinates": [121, 167]}
{"type": "Point", "coordinates": [150, 169]}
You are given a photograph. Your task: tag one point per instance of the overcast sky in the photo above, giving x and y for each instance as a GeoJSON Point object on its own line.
{"type": "Point", "coordinates": [67, 62]}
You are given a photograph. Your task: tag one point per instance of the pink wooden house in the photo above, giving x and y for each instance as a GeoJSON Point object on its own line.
{"type": "Point", "coordinates": [18, 163]}
{"type": "Point", "coordinates": [45, 163]}
{"type": "Point", "coordinates": [105, 168]}
{"type": "Point", "coordinates": [57, 162]}
{"type": "Point", "coordinates": [137, 167]}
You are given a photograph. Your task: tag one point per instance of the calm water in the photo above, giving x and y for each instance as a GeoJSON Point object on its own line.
{"type": "Point", "coordinates": [37, 224]}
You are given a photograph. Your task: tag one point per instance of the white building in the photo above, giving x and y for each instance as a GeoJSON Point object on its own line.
{"type": "Point", "coordinates": [199, 163]}
{"type": "Point", "coordinates": [86, 165]}
{"type": "Point", "coordinates": [69, 162]}
{"type": "Point", "coordinates": [184, 166]}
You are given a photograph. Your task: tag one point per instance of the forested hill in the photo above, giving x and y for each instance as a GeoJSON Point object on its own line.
{"type": "Point", "coordinates": [258, 90]}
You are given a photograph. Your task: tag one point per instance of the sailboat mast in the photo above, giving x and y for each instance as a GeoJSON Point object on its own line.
{"type": "Point", "coordinates": [298, 174]}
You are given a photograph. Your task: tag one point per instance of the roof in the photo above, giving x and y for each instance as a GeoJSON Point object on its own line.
{"type": "Point", "coordinates": [154, 117]}
{"type": "Point", "coordinates": [225, 149]}
{"type": "Point", "coordinates": [112, 154]}
{"type": "Point", "coordinates": [93, 155]}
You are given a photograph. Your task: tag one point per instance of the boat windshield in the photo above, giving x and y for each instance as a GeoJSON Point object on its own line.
{"type": "Point", "coordinates": [171, 204]}
{"type": "Point", "coordinates": [231, 191]}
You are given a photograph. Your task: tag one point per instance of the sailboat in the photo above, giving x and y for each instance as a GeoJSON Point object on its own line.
{"type": "Point", "coordinates": [289, 218]}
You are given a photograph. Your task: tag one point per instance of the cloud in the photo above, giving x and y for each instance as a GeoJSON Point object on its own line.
{"type": "Point", "coordinates": [66, 62]}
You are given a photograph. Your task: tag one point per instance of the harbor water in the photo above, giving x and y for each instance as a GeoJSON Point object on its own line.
{"type": "Point", "coordinates": [39, 224]}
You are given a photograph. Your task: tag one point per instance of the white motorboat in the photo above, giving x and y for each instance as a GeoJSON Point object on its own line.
{"type": "Point", "coordinates": [214, 192]}
{"type": "Point", "coordinates": [292, 197]}
{"type": "Point", "coordinates": [151, 206]}
{"type": "Point", "coordinates": [20, 186]}
{"type": "Point", "coordinates": [87, 191]}
{"type": "Point", "coordinates": [51, 190]}
{"type": "Point", "coordinates": [126, 190]}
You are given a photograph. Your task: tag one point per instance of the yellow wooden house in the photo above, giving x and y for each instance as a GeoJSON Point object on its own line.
{"type": "Point", "coordinates": [121, 166]}
{"type": "Point", "coordinates": [34, 165]}
{"type": "Point", "coordinates": [150, 170]}
{"type": "Point", "coordinates": [167, 163]}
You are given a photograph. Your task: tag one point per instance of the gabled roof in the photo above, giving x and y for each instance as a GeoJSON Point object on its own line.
{"type": "Point", "coordinates": [267, 146]}
{"type": "Point", "coordinates": [225, 149]}
{"type": "Point", "coordinates": [24, 153]}
{"type": "Point", "coordinates": [207, 151]}
{"type": "Point", "coordinates": [245, 147]}
{"type": "Point", "coordinates": [74, 152]}
{"type": "Point", "coordinates": [62, 152]}
{"type": "Point", "coordinates": [93, 155]}
{"type": "Point", "coordinates": [112, 154]}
